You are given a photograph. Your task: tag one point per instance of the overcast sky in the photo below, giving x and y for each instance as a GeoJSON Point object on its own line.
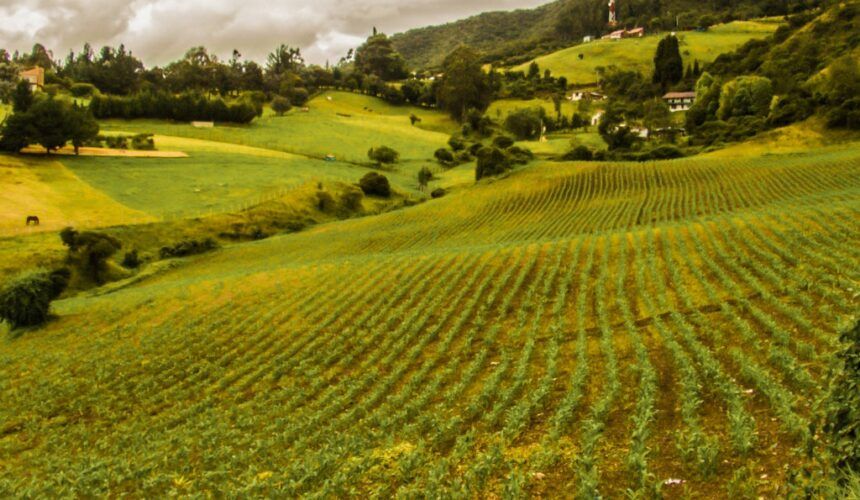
{"type": "Point", "coordinates": [160, 31]}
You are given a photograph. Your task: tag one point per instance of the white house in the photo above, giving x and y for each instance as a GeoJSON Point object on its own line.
{"type": "Point", "coordinates": [586, 95]}
{"type": "Point", "coordinates": [680, 101]}
{"type": "Point", "coordinates": [587, 39]}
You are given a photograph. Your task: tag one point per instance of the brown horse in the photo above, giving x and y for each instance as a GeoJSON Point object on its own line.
{"type": "Point", "coordinates": [33, 219]}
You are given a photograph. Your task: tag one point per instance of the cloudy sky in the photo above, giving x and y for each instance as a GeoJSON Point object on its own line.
{"type": "Point", "coordinates": [160, 31]}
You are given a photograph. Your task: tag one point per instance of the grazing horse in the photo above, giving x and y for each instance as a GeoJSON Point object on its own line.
{"type": "Point", "coordinates": [33, 219]}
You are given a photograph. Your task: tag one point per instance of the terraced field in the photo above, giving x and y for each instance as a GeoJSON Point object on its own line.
{"type": "Point", "coordinates": [570, 330]}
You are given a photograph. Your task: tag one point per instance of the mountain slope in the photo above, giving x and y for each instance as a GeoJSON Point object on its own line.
{"type": "Point", "coordinates": [566, 321]}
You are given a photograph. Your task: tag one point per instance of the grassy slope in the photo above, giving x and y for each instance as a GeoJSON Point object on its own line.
{"type": "Point", "coordinates": [322, 131]}
{"type": "Point", "coordinates": [637, 54]}
{"type": "Point", "coordinates": [280, 368]}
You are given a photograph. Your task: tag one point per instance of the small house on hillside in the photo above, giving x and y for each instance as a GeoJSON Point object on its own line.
{"type": "Point", "coordinates": [35, 77]}
{"type": "Point", "coordinates": [619, 34]}
{"type": "Point", "coordinates": [585, 95]}
{"type": "Point", "coordinates": [680, 101]}
{"type": "Point", "coordinates": [587, 39]}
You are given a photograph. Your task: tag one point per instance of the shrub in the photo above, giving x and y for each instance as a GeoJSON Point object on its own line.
{"type": "Point", "coordinates": [187, 248]}
{"type": "Point", "coordinates": [90, 251]}
{"type": "Point", "coordinates": [842, 421]}
{"type": "Point", "coordinates": [131, 260]}
{"type": "Point", "coordinates": [491, 161]}
{"type": "Point", "coordinates": [503, 142]}
{"type": "Point", "coordinates": [325, 202]}
{"type": "Point", "coordinates": [444, 156]}
{"type": "Point", "coordinates": [579, 153]}
{"type": "Point", "coordinates": [27, 300]}
{"type": "Point", "coordinates": [82, 90]}
{"type": "Point", "coordinates": [351, 199]}
{"type": "Point", "coordinates": [456, 144]}
{"type": "Point", "coordinates": [143, 142]}
{"type": "Point", "coordinates": [525, 124]}
{"type": "Point", "coordinates": [375, 184]}
{"type": "Point", "coordinates": [519, 156]}
{"type": "Point", "coordinates": [383, 155]}
{"type": "Point", "coordinates": [281, 105]}
{"type": "Point", "coordinates": [438, 193]}
{"type": "Point", "coordinates": [299, 96]}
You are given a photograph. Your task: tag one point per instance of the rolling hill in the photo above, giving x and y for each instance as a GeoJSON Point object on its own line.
{"type": "Point", "coordinates": [637, 53]}
{"type": "Point", "coordinates": [588, 328]}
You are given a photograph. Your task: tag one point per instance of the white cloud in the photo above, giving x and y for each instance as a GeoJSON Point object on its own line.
{"type": "Point", "coordinates": [162, 30]}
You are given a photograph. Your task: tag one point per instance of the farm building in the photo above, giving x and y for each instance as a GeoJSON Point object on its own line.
{"type": "Point", "coordinates": [680, 101]}
{"type": "Point", "coordinates": [35, 76]}
{"type": "Point", "coordinates": [585, 95]}
{"type": "Point", "coordinates": [587, 39]}
{"type": "Point", "coordinates": [619, 34]}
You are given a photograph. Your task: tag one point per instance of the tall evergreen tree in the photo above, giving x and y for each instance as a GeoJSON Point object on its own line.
{"type": "Point", "coordinates": [668, 64]}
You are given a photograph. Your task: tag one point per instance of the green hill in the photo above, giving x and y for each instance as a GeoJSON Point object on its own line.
{"type": "Point", "coordinates": [508, 38]}
{"type": "Point", "coordinates": [637, 53]}
{"type": "Point", "coordinates": [600, 329]}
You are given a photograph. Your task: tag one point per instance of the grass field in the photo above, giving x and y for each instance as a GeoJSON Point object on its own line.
{"type": "Point", "coordinates": [324, 129]}
{"type": "Point", "coordinates": [638, 53]}
{"type": "Point", "coordinates": [573, 329]}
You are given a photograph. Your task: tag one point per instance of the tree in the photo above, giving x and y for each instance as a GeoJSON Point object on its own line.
{"type": "Point", "coordinates": [377, 56]}
{"type": "Point", "coordinates": [465, 85]}
{"type": "Point", "coordinates": [668, 64]}
{"type": "Point", "coordinates": [656, 115]}
{"type": "Point", "coordinates": [16, 133]}
{"type": "Point", "coordinates": [26, 301]}
{"type": "Point", "coordinates": [613, 127]}
{"type": "Point", "coordinates": [285, 59]}
{"type": "Point", "coordinates": [383, 155]}
{"type": "Point", "coordinates": [745, 95]}
{"type": "Point", "coordinates": [81, 126]}
{"type": "Point", "coordinates": [375, 184]}
{"type": "Point", "coordinates": [50, 122]}
{"type": "Point", "coordinates": [843, 80]}
{"type": "Point", "coordinates": [425, 175]}
{"type": "Point", "coordinates": [90, 251]}
{"type": "Point", "coordinates": [842, 407]}
{"type": "Point", "coordinates": [22, 99]}
{"type": "Point", "coordinates": [281, 105]}
{"type": "Point", "coordinates": [525, 124]}
{"type": "Point", "coordinates": [534, 71]}
{"type": "Point", "coordinates": [491, 162]}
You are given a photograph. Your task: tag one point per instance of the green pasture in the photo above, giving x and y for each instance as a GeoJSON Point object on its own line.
{"type": "Point", "coordinates": [337, 123]}
{"type": "Point", "coordinates": [637, 53]}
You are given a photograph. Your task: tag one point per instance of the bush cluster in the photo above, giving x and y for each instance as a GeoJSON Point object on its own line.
{"type": "Point", "coordinates": [375, 184]}
{"type": "Point", "coordinates": [188, 247]}
{"type": "Point", "coordinates": [26, 301]}
{"type": "Point", "coordinates": [165, 106]}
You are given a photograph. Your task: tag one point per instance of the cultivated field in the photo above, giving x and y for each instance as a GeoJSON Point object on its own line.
{"type": "Point", "coordinates": [637, 53]}
{"type": "Point", "coordinates": [571, 329]}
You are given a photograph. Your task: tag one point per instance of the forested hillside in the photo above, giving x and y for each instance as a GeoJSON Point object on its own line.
{"type": "Point", "coordinates": [518, 36]}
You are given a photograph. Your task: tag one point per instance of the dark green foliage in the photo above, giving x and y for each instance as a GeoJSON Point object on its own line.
{"type": "Point", "coordinates": [525, 124]}
{"type": "Point", "coordinates": [383, 155]}
{"type": "Point", "coordinates": [503, 142]}
{"type": "Point", "coordinates": [131, 260]}
{"type": "Point", "coordinates": [165, 106]}
{"type": "Point", "coordinates": [26, 301]}
{"type": "Point", "coordinates": [143, 142]}
{"type": "Point", "coordinates": [16, 133]}
{"type": "Point", "coordinates": [82, 90]}
{"type": "Point", "coordinates": [325, 202]}
{"type": "Point", "coordinates": [519, 156]}
{"type": "Point", "coordinates": [579, 153]}
{"type": "Point", "coordinates": [375, 184]}
{"type": "Point", "coordinates": [351, 199]}
{"type": "Point", "coordinates": [281, 105]}
{"type": "Point", "coordinates": [465, 86]}
{"type": "Point", "coordinates": [425, 175]}
{"type": "Point", "coordinates": [187, 248]}
{"type": "Point", "coordinates": [82, 127]}
{"type": "Point", "coordinates": [89, 251]}
{"type": "Point", "coordinates": [744, 96]}
{"type": "Point", "coordinates": [491, 162]}
{"type": "Point", "coordinates": [438, 193]}
{"type": "Point", "coordinates": [790, 109]}
{"type": "Point", "coordinates": [444, 157]}
{"type": "Point", "coordinates": [22, 99]}
{"type": "Point", "coordinates": [377, 56]}
{"type": "Point", "coordinates": [613, 128]}
{"type": "Point", "coordinates": [846, 115]}
{"type": "Point", "coordinates": [842, 407]}
{"type": "Point", "coordinates": [668, 64]}
{"type": "Point", "coordinates": [456, 144]}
